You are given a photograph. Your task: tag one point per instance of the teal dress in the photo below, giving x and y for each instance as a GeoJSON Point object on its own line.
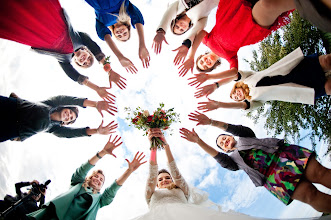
{"type": "Point", "coordinates": [77, 203]}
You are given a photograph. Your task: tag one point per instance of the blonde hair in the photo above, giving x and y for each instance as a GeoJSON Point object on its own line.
{"type": "Point", "coordinates": [122, 19]}
{"type": "Point", "coordinates": [88, 179]}
{"type": "Point", "coordinates": [245, 88]}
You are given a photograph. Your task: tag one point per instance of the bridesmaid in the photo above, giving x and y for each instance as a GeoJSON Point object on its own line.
{"type": "Point", "coordinates": [115, 17]}
{"type": "Point", "coordinates": [46, 27]}
{"type": "Point", "coordinates": [238, 23]}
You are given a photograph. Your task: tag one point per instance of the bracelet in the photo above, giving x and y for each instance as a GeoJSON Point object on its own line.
{"type": "Point", "coordinates": [217, 85]}
{"type": "Point", "coordinates": [98, 156]}
{"type": "Point", "coordinates": [211, 122]}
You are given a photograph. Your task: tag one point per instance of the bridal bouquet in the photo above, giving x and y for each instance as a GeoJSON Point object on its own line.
{"type": "Point", "coordinates": [160, 118]}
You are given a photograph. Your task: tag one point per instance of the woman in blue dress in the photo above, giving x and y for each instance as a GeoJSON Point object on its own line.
{"type": "Point", "coordinates": [114, 18]}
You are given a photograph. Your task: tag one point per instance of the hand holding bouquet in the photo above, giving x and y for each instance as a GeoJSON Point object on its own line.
{"type": "Point", "coordinates": [159, 119]}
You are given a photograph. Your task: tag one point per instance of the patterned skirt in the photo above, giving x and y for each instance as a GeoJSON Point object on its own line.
{"type": "Point", "coordinates": [285, 171]}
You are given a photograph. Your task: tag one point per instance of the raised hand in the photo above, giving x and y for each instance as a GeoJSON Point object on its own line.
{"type": "Point", "coordinates": [157, 42]}
{"type": "Point", "coordinates": [112, 145]}
{"type": "Point", "coordinates": [156, 132]}
{"type": "Point", "coordinates": [186, 66]}
{"type": "Point", "coordinates": [108, 129]}
{"type": "Point", "coordinates": [205, 91]}
{"type": "Point", "coordinates": [200, 118]}
{"type": "Point", "coordinates": [105, 95]}
{"type": "Point", "coordinates": [105, 106]}
{"type": "Point", "coordinates": [117, 79]}
{"type": "Point", "coordinates": [136, 162]}
{"type": "Point", "coordinates": [128, 65]}
{"type": "Point", "coordinates": [181, 54]}
{"type": "Point", "coordinates": [189, 135]}
{"type": "Point", "coordinates": [144, 56]}
{"type": "Point", "coordinates": [198, 79]}
{"type": "Point", "coordinates": [208, 106]}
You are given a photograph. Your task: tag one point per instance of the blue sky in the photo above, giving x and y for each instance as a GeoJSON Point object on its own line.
{"type": "Point", "coordinates": [36, 77]}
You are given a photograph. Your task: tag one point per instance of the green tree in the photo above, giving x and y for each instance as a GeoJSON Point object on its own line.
{"type": "Point", "coordinates": [286, 118]}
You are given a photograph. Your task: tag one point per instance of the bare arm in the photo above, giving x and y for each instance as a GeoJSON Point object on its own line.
{"type": "Point", "coordinates": [212, 105]}
{"type": "Point", "coordinates": [196, 43]}
{"type": "Point", "coordinates": [189, 63]}
{"type": "Point", "coordinates": [192, 136]}
{"type": "Point", "coordinates": [108, 149]}
{"type": "Point", "coordinates": [132, 166]}
{"type": "Point", "coordinates": [113, 46]}
{"type": "Point", "coordinates": [143, 52]}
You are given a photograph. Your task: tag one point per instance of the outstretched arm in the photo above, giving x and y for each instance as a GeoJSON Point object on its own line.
{"type": "Point", "coordinates": [105, 130]}
{"type": "Point", "coordinates": [132, 166]}
{"type": "Point", "coordinates": [152, 178]}
{"type": "Point", "coordinates": [212, 105]}
{"type": "Point", "coordinates": [143, 52]}
{"type": "Point", "coordinates": [125, 62]}
{"type": "Point", "coordinates": [189, 63]}
{"type": "Point", "coordinates": [101, 106]}
{"type": "Point", "coordinates": [102, 91]}
{"type": "Point", "coordinates": [192, 136]}
{"type": "Point", "coordinates": [202, 119]}
{"type": "Point", "coordinates": [223, 159]}
{"type": "Point", "coordinates": [222, 77]}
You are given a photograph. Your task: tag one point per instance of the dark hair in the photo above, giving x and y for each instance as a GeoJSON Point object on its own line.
{"type": "Point", "coordinates": [178, 17]}
{"type": "Point", "coordinates": [163, 171]}
{"type": "Point", "coordinates": [91, 54]}
{"type": "Point", "coordinates": [220, 146]}
{"type": "Point", "coordinates": [72, 108]}
{"type": "Point", "coordinates": [216, 64]}
{"type": "Point", "coordinates": [173, 185]}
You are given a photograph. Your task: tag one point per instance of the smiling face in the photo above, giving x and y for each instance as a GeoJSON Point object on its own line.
{"type": "Point", "coordinates": [226, 142]}
{"type": "Point", "coordinates": [163, 180]}
{"type": "Point", "coordinates": [83, 58]}
{"type": "Point", "coordinates": [67, 116]}
{"type": "Point", "coordinates": [121, 32]}
{"type": "Point", "coordinates": [181, 26]}
{"type": "Point", "coordinates": [207, 61]}
{"type": "Point", "coordinates": [238, 94]}
{"type": "Point", "coordinates": [96, 181]}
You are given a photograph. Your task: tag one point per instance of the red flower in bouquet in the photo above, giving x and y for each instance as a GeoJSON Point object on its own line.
{"type": "Point", "coordinates": [159, 119]}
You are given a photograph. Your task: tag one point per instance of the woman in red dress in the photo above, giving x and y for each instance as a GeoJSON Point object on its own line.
{"type": "Point", "coordinates": [238, 23]}
{"type": "Point", "coordinates": [45, 26]}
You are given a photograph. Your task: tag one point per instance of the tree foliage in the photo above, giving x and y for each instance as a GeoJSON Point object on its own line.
{"type": "Point", "coordinates": [286, 118]}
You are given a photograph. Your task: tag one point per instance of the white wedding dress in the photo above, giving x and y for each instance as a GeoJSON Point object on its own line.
{"type": "Point", "coordinates": [173, 204]}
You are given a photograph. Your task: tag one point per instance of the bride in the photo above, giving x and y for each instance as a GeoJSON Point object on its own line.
{"type": "Point", "coordinates": [172, 198]}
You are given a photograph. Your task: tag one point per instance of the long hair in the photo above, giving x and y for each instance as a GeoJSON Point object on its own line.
{"type": "Point", "coordinates": [173, 185]}
{"type": "Point", "coordinates": [173, 22]}
{"type": "Point", "coordinates": [72, 108]}
{"type": "Point", "coordinates": [216, 64]}
{"type": "Point", "coordinates": [123, 19]}
{"type": "Point", "coordinates": [244, 87]}
{"type": "Point", "coordinates": [88, 179]}
{"type": "Point", "coordinates": [91, 54]}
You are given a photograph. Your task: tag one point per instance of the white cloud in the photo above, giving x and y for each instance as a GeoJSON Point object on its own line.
{"type": "Point", "coordinates": [36, 77]}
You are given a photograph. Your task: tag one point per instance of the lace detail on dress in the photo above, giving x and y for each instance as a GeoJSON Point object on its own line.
{"type": "Point", "coordinates": [166, 196]}
{"type": "Point", "coordinates": [151, 182]}
{"type": "Point", "coordinates": [178, 178]}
